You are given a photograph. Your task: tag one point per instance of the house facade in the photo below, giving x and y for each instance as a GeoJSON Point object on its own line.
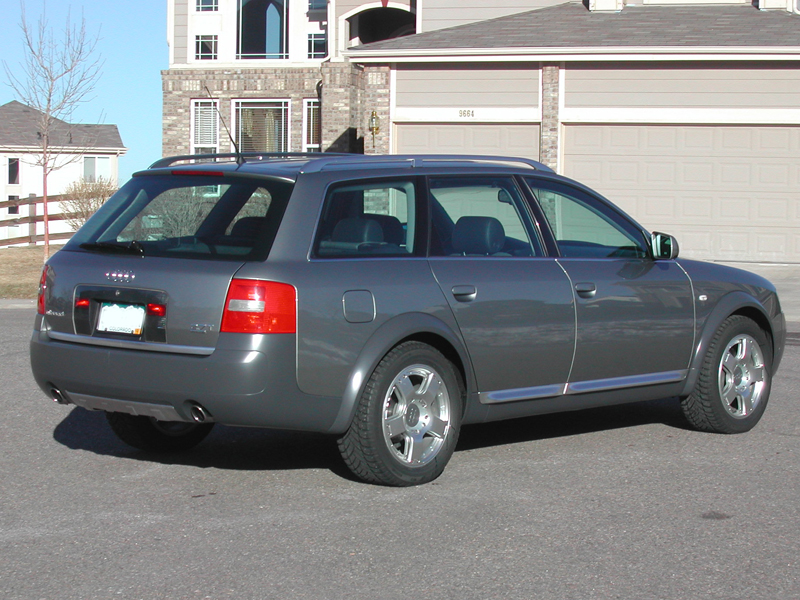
{"type": "Point", "coordinates": [686, 115]}
{"type": "Point", "coordinates": [84, 152]}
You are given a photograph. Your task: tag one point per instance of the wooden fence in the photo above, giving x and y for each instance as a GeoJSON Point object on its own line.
{"type": "Point", "coordinates": [37, 217]}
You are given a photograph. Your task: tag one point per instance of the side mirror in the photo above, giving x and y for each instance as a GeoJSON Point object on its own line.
{"type": "Point", "coordinates": [665, 247]}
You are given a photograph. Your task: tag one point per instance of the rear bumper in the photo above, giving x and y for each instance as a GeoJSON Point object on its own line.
{"type": "Point", "coordinates": [247, 380]}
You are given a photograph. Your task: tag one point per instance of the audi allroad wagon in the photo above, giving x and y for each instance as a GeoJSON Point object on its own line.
{"type": "Point", "coordinates": [387, 300]}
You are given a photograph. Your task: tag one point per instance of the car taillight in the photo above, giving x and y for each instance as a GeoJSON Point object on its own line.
{"type": "Point", "coordinates": [254, 306]}
{"type": "Point", "coordinates": [157, 310]}
{"type": "Point", "coordinates": [42, 289]}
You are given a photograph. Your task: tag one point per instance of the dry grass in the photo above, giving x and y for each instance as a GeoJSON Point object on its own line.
{"type": "Point", "coordinates": [20, 270]}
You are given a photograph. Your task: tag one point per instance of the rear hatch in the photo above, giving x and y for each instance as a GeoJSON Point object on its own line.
{"type": "Point", "coordinates": [151, 270]}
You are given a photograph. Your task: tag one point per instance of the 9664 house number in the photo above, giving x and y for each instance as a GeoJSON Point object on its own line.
{"type": "Point", "coordinates": [466, 113]}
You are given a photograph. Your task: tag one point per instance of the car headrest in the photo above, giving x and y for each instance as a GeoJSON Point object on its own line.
{"type": "Point", "coordinates": [357, 231]}
{"type": "Point", "coordinates": [478, 235]}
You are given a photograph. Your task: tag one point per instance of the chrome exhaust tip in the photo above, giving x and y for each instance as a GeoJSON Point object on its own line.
{"type": "Point", "coordinates": [200, 414]}
{"type": "Point", "coordinates": [57, 396]}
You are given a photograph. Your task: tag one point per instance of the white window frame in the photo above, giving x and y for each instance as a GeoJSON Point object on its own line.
{"type": "Point", "coordinates": [214, 106]}
{"type": "Point", "coordinates": [308, 103]}
{"type": "Point", "coordinates": [212, 39]}
{"type": "Point", "coordinates": [283, 54]}
{"type": "Point", "coordinates": [99, 163]}
{"type": "Point", "coordinates": [206, 5]}
{"type": "Point", "coordinates": [316, 36]}
{"type": "Point", "coordinates": [281, 103]}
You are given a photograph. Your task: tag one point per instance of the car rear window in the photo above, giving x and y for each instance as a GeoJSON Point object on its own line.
{"type": "Point", "coordinates": [212, 218]}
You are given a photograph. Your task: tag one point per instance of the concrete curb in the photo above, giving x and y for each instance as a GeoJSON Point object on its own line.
{"type": "Point", "coordinates": [17, 303]}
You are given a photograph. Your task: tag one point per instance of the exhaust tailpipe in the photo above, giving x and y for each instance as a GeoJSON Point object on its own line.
{"type": "Point", "coordinates": [58, 397]}
{"type": "Point", "coordinates": [200, 414]}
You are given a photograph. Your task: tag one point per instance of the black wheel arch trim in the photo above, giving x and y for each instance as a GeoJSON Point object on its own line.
{"type": "Point", "coordinates": [394, 331]}
{"type": "Point", "coordinates": [742, 303]}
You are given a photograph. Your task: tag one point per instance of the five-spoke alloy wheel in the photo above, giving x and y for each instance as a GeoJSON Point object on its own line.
{"type": "Point", "coordinates": [408, 418]}
{"type": "Point", "coordinates": [733, 386]}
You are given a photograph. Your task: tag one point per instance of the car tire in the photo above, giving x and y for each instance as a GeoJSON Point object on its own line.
{"type": "Point", "coordinates": [734, 382]}
{"type": "Point", "coordinates": [147, 433]}
{"type": "Point", "coordinates": [407, 420]}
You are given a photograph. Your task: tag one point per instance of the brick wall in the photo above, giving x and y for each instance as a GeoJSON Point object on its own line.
{"type": "Point", "coordinates": [181, 86]}
{"type": "Point", "coordinates": [376, 97]}
{"type": "Point", "coordinates": [548, 147]}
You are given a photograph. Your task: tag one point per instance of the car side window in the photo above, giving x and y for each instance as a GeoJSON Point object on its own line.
{"type": "Point", "coordinates": [584, 227]}
{"type": "Point", "coordinates": [479, 216]}
{"type": "Point", "coordinates": [367, 218]}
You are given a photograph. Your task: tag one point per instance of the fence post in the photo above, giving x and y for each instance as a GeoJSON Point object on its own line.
{"type": "Point", "coordinates": [32, 224]}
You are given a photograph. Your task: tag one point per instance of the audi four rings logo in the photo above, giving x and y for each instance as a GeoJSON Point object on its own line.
{"type": "Point", "coordinates": [121, 276]}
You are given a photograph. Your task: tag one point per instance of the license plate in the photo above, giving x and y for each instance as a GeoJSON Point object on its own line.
{"type": "Point", "coordinates": [121, 318]}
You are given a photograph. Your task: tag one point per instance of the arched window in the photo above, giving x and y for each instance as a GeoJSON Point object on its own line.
{"type": "Point", "coordinates": [263, 28]}
{"type": "Point", "coordinates": [378, 24]}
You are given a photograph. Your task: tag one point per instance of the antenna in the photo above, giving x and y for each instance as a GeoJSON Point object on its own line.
{"type": "Point", "coordinates": [239, 157]}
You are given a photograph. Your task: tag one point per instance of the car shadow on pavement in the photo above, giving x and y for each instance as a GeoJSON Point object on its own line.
{"type": "Point", "coordinates": [231, 448]}
{"type": "Point", "coordinates": [666, 412]}
{"type": "Point", "coordinates": [242, 448]}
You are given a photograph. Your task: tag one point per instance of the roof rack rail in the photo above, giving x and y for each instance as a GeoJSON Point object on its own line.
{"type": "Point", "coordinates": [240, 157]}
{"type": "Point", "coordinates": [326, 161]}
{"type": "Point", "coordinates": [319, 161]}
{"type": "Point", "coordinates": [534, 164]}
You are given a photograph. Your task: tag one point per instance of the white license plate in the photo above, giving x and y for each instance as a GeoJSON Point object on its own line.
{"type": "Point", "coordinates": [121, 318]}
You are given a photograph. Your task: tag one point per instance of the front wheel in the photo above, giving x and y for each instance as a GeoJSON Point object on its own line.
{"type": "Point", "coordinates": [733, 386]}
{"type": "Point", "coordinates": [147, 433]}
{"type": "Point", "coordinates": [408, 418]}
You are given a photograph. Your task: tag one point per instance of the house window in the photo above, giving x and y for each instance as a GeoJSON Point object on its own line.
{"type": "Point", "coordinates": [317, 45]}
{"type": "Point", "coordinates": [13, 171]}
{"type": "Point", "coordinates": [205, 129]}
{"type": "Point", "coordinates": [205, 47]}
{"type": "Point", "coordinates": [263, 29]}
{"type": "Point", "coordinates": [96, 168]}
{"type": "Point", "coordinates": [311, 126]}
{"type": "Point", "coordinates": [262, 126]}
{"type": "Point", "coordinates": [14, 208]}
{"type": "Point", "coordinates": [207, 5]}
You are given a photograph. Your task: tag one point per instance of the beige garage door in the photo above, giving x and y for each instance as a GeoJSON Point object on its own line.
{"type": "Point", "coordinates": [726, 193]}
{"type": "Point", "coordinates": [446, 138]}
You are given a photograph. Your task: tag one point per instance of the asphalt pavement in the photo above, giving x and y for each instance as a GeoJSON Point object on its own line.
{"type": "Point", "coordinates": [615, 503]}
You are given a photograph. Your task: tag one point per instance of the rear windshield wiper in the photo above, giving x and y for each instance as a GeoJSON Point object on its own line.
{"type": "Point", "coordinates": [132, 247]}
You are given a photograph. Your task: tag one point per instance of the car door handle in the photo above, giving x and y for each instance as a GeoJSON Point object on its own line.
{"type": "Point", "coordinates": [464, 293]}
{"type": "Point", "coordinates": [586, 289]}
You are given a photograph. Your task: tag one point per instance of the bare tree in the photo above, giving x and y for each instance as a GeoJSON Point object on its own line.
{"type": "Point", "coordinates": [58, 74]}
{"type": "Point", "coordinates": [82, 198]}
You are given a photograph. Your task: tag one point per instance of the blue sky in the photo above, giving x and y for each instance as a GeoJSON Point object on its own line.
{"type": "Point", "coordinates": [133, 44]}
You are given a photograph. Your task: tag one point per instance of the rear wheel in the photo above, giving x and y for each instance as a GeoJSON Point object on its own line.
{"type": "Point", "coordinates": [408, 418]}
{"type": "Point", "coordinates": [147, 433]}
{"type": "Point", "coordinates": [733, 386]}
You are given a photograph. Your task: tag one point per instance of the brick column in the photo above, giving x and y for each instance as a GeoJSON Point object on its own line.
{"type": "Point", "coordinates": [341, 107]}
{"type": "Point", "coordinates": [376, 97]}
{"type": "Point", "coordinates": [549, 142]}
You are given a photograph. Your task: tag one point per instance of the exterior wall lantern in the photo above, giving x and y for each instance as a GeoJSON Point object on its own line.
{"type": "Point", "coordinates": [374, 126]}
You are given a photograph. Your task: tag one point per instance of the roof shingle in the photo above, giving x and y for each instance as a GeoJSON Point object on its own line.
{"type": "Point", "coordinates": [19, 126]}
{"type": "Point", "coordinates": [571, 25]}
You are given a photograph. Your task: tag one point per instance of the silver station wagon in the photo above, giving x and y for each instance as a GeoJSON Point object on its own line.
{"type": "Point", "coordinates": [387, 300]}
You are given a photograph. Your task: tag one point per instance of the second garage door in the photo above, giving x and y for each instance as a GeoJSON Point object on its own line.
{"type": "Point", "coordinates": [473, 138]}
{"type": "Point", "coordinates": [726, 193]}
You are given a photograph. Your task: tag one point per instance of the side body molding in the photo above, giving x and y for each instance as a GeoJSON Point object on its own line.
{"type": "Point", "coordinates": [389, 334]}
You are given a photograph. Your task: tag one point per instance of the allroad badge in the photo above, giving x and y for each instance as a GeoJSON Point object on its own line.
{"type": "Point", "coordinates": [121, 276]}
